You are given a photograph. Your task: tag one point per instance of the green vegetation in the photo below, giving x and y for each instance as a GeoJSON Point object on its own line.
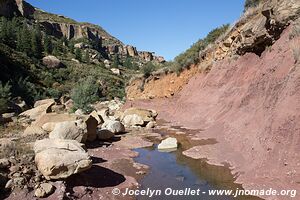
{"type": "Point", "coordinates": [85, 93]}
{"type": "Point", "coordinates": [251, 3]}
{"type": "Point", "coordinates": [148, 69]}
{"type": "Point", "coordinates": [78, 54]}
{"type": "Point", "coordinates": [191, 56]}
{"type": "Point", "coordinates": [130, 64]}
{"type": "Point", "coordinates": [5, 96]}
{"type": "Point", "coordinates": [22, 47]}
{"type": "Point", "coordinates": [116, 61]}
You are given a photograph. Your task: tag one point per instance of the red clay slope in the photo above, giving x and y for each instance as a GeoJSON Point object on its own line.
{"type": "Point", "coordinates": [252, 107]}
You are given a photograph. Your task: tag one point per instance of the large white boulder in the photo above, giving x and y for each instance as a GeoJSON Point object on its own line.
{"type": "Point", "coordinates": [72, 130]}
{"type": "Point", "coordinates": [58, 159]}
{"type": "Point", "coordinates": [113, 126]}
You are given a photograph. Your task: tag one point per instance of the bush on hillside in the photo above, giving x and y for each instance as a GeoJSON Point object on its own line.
{"type": "Point", "coordinates": [85, 93]}
{"type": "Point", "coordinates": [191, 55]}
{"type": "Point", "coordinates": [5, 96]}
{"type": "Point", "coordinates": [147, 69]}
{"type": "Point", "coordinates": [250, 4]}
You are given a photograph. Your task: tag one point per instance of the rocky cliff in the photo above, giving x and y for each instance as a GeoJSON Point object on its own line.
{"type": "Point", "coordinates": [61, 26]}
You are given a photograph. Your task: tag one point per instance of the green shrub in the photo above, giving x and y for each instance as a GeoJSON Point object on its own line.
{"type": "Point", "coordinates": [250, 4]}
{"type": "Point", "coordinates": [129, 64]}
{"type": "Point", "coordinates": [191, 55]}
{"type": "Point", "coordinates": [85, 93]}
{"type": "Point", "coordinates": [5, 96]}
{"type": "Point", "coordinates": [148, 69]}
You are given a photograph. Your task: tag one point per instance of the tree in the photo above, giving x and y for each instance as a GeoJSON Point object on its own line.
{"type": "Point", "coordinates": [116, 61]}
{"type": "Point", "coordinates": [87, 57]}
{"type": "Point", "coordinates": [48, 46]}
{"type": "Point", "coordinates": [78, 54]}
{"type": "Point", "coordinates": [36, 42]}
{"type": "Point", "coordinates": [5, 96]}
{"type": "Point", "coordinates": [129, 64]}
{"type": "Point", "coordinates": [148, 69]}
{"type": "Point", "coordinates": [23, 41]}
{"type": "Point", "coordinates": [85, 93]}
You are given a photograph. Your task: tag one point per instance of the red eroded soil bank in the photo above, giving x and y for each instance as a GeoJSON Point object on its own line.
{"type": "Point", "coordinates": [252, 107]}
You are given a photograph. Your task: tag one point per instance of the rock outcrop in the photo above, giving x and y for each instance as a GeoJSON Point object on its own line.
{"type": "Point", "coordinates": [59, 159]}
{"type": "Point", "coordinates": [138, 116]}
{"type": "Point", "coordinates": [10, 8]}
{"type": "Point", "coordinates": [52, 62]}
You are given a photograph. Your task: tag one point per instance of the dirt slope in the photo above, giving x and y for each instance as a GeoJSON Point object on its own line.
{"type": "Point", "coordinates": [251, 106]}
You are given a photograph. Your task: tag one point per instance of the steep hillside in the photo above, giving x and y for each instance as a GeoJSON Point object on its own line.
{"type": "Point", "coordinates": [45, 55]}
{"type": "Point", "coordinates": [248, 100]}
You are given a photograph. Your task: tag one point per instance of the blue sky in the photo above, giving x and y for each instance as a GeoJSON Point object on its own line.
{"type": "Point", "coordinates": [167, 27]}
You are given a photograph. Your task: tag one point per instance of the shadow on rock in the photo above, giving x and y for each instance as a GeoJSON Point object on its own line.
{"type": "Point", "coordinates": [106, 143]}
{"type": "Point", "coordinates": [97, 177]}
{"type": "Point", "coordinates": [97, 160]}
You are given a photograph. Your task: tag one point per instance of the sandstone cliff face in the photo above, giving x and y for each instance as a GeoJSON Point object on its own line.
{"type": "Point", "coordinates": [9, 8]}
{"type": "Point", "coordinates": [60, 26]}
{"type": "Point", "coordinates": [70, 31]}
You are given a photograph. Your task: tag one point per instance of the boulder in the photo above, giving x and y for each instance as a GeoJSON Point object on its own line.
{"type": "Point", "coordinates": [147, 115]}
{"type": "Point", "coordinates": [151, 124]}
{"type": "Point", "coordinates": [133, 120]}
{"type": "Point", "coordinates": [42, 102]}
{"type": "Point", "coordinates": [115, 71]}
{"type": "Point", "coordinates": [8, 117]}
{"type": "Point", "coordinates": [69, 104]}
{"type": "Point", "coordinates": [37, 112]}
{"type": "Point", "coordinates": [58, 108]}
{"type": "Point", "coordinates": [72, 130]}
{"type": "Point", "coordinates": [59, 159]}
{"type": "Point", "coordinates": [44, 190]}
{"type": "Point", "coordinates": [4, 163]}
{"type": "Point", "coordinates": [92, 124]}
{"type": "Point", "coordinates": [52, 62]}
{"type": "Point", "coordinates": [54, 118]}
{"type": "Point", "coordinates": [34, 130]}
{"type": "Point", "coordinates": [104, 113]}
{"type": "Point", "coordinates": [104, 134]}
{"type": "Point", "coordinates": [98, 117]}
{"type": "Point", "coordinates": [79, 112]}
{"type": "Point", "coordinates": [168, 144]}
{"type": "Point", "coordinates": [113, 126]}
{"type": "Point", "coordinates": [49, 126]}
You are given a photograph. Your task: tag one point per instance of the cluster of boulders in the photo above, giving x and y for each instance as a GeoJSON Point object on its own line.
{"type": "Point", "coordinates": [59, 150]}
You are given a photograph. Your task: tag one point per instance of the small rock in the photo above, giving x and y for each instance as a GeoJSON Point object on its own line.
{"type": "Point", "coordinates": [168, 144]}
{"type": "Point", "coordinates": [44, 190]}
{"type": "Point", "coordinates": [9, 184]}
{"type": "Point", "coordinates": [151, 124]}
{"type": "Point", "coordinates": [14, 169]}
{"type": "Point", "coordinates": [140, 172]}
{"type": "Point", "coordinates": [79, 112]}
{"type": "Point", "coordinates": [105, 134]}
{"type": "Point", "coordinates": [4, 163]}
{"type": "Point", "coordinates": [19, 181]}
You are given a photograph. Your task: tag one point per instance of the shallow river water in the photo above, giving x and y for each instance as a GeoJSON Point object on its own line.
{"type": "Point", "coordinates": [175, 171]}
